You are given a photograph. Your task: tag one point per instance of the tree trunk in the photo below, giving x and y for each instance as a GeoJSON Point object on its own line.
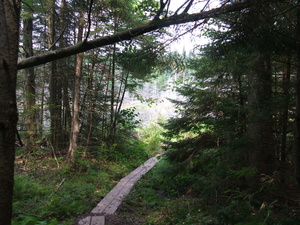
{"type": "Point", "coordinates": [41, 122]}
{"type": "Point", "coordinates": [65, 74]}
{"type": "Point", "coordinates": [260, 122]}
{"type": "Point", "coordinates": [55, 86]}
{"type": "Point", "coordinates": [66, 107]}
{"type": "Point", "coordinates": [74, 134]}
{"type": "Point", "coordinates": [31, 130]}
{"type": "Point", "coordinates": [285, 114]}
{"type": "Point", "coordinates": [297, 119]}
{"type": "Point", "coordinates": [90, 108]}
{"type": "Point", "coordinates": [121, 97]}
{"type": "Point", "coordinates": [112, 98]}
{"type": "Point", "coordinates": [9, 41]}
{"type": "Point", "coordinates": [242, 115]}
{"type": "Point", "coordinates": [105, 130]}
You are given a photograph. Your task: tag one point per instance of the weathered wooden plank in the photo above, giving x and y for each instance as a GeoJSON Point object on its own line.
{"type": "Point", "coordinates": [110, 203]}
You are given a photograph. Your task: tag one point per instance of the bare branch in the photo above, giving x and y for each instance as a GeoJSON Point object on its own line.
{"type": "Point", "coordinates": [207, 3]}
{"type": "Point", "coordinates": [176, 12]}
{"type": "Point", "coordinates": [188, 7]}
{"type": "Point", "coordinates": [161, 9]}
{"type": "Point", "coordinates": [59, 37]}
{"type": "Point", "coordinates": [89, 21]}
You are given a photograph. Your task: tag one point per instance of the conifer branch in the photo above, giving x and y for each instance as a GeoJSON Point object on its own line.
{"type": "Point", "coordinates": [131, 33]}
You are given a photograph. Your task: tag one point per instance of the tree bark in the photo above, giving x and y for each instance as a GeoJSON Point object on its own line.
{"type": "Point", "coordinates": [90, 109]}
{"type": "Point", "coordinates": [74, 134]}
{"type": "Point", "coordinates": [260, 121]}
{"type": "Point", "coordinates": [55, 86]}
{"type": "Point", "coordinates": [112, 97]}
{"type": "Point", "coordinates": [285, 114]}
{"type": "Point", "coordinates": [121, 97]}
{"type": "Point", "coordinates": [9, 41]}
{"type": "Point", "coordinates": [31, 130]}
{"type": "Point", "coordinates": [65, 74]}
{"type": "Point", "coordinates": [105, 129]}
{"type": "Point", "coordinates": [41, 116]}
{"type": "Point", "coordinates": [297, 119]}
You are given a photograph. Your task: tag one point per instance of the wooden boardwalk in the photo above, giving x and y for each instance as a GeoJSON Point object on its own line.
{"type": "Point", "coordinates": [113, 199]}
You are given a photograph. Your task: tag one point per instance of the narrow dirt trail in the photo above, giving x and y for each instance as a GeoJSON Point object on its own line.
{"type": "Point", "coordinates": [110, 203]}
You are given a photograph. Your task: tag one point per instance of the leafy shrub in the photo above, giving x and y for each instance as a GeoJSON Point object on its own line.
{"type": "Point", "coordinates": [127, 119]}
{"type": "Point", "coordinates": [152, 136]}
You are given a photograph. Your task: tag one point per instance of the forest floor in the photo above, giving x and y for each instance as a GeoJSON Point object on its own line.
{"type": "Point", "coordinates": [110, 203]}
{"type": "Point", "coordinates": [150, 202]}
{"type": "Point", "coordinates": [125, 219]}
{"type": "Point", "coordinates": [49, 191]}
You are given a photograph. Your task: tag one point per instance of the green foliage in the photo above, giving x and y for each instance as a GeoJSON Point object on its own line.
{"type": "Point", "coordinates": [125, 147]}
{"type": "Point", "coordinates": [245, 172]}
{"type": "Point", "coordinates": [152, 136]}
{"type": "Point", "coordinates": [169, 194]}
{"type": "Point", "coordinates": [50, 191]}
{"type": "Point", "coordinates": [31, 220]}
{"type": "Point", "coordinates": [26, 188]}
{"type": "Point", "coordinates": [150, 101]}
{"type": "Point", "coordinates": [150, 6]}
{"type": "Point", "coordinates": [203, 180]}
{"type": "Point", "coordinates": [140, 62]}
{"type": "Point", "coordinates": [208, 156]}
{"type": "Point", "coordinates": [127, 118]}
{"type": "Point", "coordinates": [72, 199]}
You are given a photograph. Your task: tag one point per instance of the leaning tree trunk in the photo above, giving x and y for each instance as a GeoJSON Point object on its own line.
{"type": "Point", "coordinates": [9, 40]}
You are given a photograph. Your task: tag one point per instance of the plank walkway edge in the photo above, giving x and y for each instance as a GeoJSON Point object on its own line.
{"type": "Point", "coordinates": [110, 203]}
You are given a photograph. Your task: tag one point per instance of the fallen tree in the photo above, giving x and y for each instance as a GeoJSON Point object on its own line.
{"type": "Point", "coordinates": [153, 25]}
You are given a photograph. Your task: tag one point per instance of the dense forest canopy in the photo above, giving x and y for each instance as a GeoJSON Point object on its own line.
{"type": "Point", "coordinates": [75, 61]}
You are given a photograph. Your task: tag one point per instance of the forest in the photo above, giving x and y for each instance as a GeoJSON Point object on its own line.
{"type": "Point", "coordinates": [231, 149]}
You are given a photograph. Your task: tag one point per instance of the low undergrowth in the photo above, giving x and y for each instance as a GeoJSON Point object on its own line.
{"type": "Point", "coordinates": [169, 194]}
{"type": "Point", "coordinates": [50, 191]}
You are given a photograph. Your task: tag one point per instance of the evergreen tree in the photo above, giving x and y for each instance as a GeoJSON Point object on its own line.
{"type": "Point", "coordinates": [50, 36]}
